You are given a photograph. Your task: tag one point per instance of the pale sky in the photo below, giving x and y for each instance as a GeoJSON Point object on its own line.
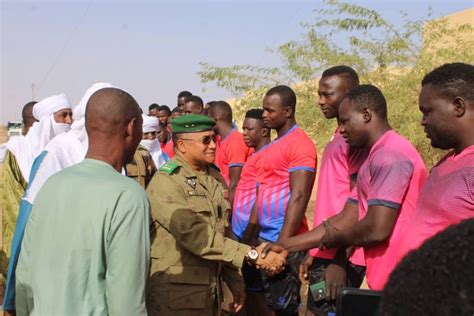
{"type": "Point", "coordinates": [150, 48]}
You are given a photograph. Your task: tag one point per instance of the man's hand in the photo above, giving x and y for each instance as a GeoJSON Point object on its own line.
{"type": "Point", "coordinates": [331, 237]}
{"type": "Point", "coordinates": [335, 277]}
{"type": "Point", "coordinates": [304, 268]}
{"type": "Point", "coordinates": [272, 261]}
{"type": "Point", "coordinates": [239, 301]}
{"type": "Point", "coordinates": [275, 248]}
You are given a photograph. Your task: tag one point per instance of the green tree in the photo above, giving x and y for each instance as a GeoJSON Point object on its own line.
{"type": "Point", "coordinates": [393, 58]}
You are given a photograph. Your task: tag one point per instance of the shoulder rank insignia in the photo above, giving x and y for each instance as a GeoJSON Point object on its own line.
{"type": "Point", "coordinates": [169, 167]}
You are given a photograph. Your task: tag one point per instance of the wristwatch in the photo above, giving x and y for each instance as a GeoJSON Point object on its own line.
{"type": "Point", "coordinates": [252, 255]}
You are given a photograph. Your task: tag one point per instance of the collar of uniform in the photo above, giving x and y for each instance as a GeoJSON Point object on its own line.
{"type": "Point", "coordinates": [188, 171]}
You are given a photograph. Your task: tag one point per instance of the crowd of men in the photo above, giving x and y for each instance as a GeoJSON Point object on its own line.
{"type": "Point", "coordinates": [167, 213]}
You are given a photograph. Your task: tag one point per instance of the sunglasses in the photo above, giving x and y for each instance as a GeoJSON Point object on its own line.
{"type": "Point", "coordinates": [206, 140]}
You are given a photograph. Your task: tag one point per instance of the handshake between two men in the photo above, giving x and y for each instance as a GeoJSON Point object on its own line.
{"type": "Point", "coordinates": [273, 262]}
{"type": "Point", "coordinates": [325, 236]}
{"type": "Point", "coordinates": [272, 256]}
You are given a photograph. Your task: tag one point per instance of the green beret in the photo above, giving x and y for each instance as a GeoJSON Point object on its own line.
{"type": "Point", "coordinates": [192, 123]}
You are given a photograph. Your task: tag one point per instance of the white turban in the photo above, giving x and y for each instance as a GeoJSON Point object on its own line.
{"type": "Point", "coordinates": [150, 123]}
{"type": "Point", "coordinates": [27, 148]}
{"type": "Point", "coordinates": [79, 112]}
{"type": "Point", "coordinates": [50, 105]}
{"type": "Point", "coordinates": [67, 149]}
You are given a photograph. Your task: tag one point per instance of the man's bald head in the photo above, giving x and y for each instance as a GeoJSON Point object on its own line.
{"type": "Point", "coordinates": [114, 126]}
{"type": "Point", "coordinates": [110, 109]}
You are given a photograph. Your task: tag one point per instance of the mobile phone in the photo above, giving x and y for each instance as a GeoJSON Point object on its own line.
{"type": "Point", "coordinates": [318, 290]}
{"type": "Point", "coordinates": [351, 302]}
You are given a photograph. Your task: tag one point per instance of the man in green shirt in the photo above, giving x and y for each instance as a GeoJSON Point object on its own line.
{"type": "Point", "coordinates": [86, 245]}
{"type": "Point", "coordinates": [189, 254]}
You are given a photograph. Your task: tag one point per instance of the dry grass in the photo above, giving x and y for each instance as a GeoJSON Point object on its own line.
{"type": "Point", "coordinates": [3, 134]}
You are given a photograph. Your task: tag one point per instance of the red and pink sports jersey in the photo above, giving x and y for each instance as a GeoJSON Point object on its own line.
{"type": "Point", "coordinates": [338, 164]}
{"type": "Point", "coordinates": [246, 193]}
{"type": "Point", "coordinates": [446, 199]}
{"type": "Point", "coordinates": [169, 148]}
{"type": "Point", "coordinates": [231, 151]}
{"type": "Point", "coordinates": [392, 176]}
{"type": "Point", "coordinates": [291, 152]}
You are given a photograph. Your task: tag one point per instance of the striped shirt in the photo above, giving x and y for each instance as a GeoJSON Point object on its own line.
{"type": "Point", "coordinates": [338, 164]}
{"type": "Point", "coordinates": [446, 199]}
{"type": "Point", "coordinates": [291, 152]}
{"type": "Point", "coordinates": [391, 176]}
{"type": "Point", "coordinates": [246, 193]}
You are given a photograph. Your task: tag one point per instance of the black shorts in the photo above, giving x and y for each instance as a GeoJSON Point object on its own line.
{"type": "Point", "coordinates": [252, 278]}
{"type": "Point", "coordinates": [282, 291]}
{"type": "Point", "coordinates": [355, 276]}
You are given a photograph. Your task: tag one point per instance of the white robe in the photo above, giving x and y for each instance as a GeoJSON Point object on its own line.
{"type": "Point", "coordinates": [64, 150]}
{"type": "Point", "coordinates": [27, 148]}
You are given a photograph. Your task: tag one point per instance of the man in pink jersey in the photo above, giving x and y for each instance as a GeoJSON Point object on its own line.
{"type": "Point", "coordinates": [436, 279]}
{"type": "Point", "coordinates": [388, 184]}
{"type": "Point", "coordinates": [338, 164]}
{"type": "Point", "coordinates": [285, 179]}
{"type": "Point", "coordinates": [231, 151]}
{"type": "Point", "coordinates": [447, 103]}
{"type": "Point", "coordinates": [256, 136]}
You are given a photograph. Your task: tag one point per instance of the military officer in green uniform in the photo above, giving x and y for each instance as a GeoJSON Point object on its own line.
{"type": "Point", "coordinates": [141, 168]}
{"type": "Point", "coordinates": [190, 256]}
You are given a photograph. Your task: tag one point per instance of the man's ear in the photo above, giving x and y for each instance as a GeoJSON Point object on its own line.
{"type": "Point", "coordinates": [288, 111]}
{"type": "Point", "coordinates": [180, 145]}
{"type": "Point", "coordinates": [131, 127]}
{"type": "Point", "coordinates": [265, 132]}
{"type": "Point", "coordinates": [367, 115]}
{"type": "Point", "coordinates": [459, 106]}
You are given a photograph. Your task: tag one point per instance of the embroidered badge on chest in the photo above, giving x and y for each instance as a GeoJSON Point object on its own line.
{"type": "Point", "coordinates": [191, 182]}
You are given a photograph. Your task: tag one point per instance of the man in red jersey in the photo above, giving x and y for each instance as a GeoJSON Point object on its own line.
{"type": "Point", "coordinates": [285, 180]}
{"type": "Point", "coordinates": [256, 136]}
{"type": "Point", "coordinates": [231, 151]}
